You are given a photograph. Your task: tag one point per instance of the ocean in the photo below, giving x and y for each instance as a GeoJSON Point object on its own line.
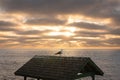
{"type": "Point", "coordinates": [12, 59]}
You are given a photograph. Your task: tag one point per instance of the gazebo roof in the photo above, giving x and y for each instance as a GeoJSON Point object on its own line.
{"type": "Point", "coordinates": [58, 68]}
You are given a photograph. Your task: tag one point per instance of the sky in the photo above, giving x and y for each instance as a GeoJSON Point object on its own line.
{"type": "Point", "coordinates": [60, 24]}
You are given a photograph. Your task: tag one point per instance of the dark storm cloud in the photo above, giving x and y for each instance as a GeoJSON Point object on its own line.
{"type": "Point", "coordinates": [88, 26]}
{"type": "Point", "coordinates": [7, 26]}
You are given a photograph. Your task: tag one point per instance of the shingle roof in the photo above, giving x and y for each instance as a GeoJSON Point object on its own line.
{"type": "Point", "coordinates": [57, 68]}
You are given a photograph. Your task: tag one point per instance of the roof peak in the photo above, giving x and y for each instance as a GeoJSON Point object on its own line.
{"type": "Point", "coordinates": [58, 67]}
{"type": "Point", "coordinates": [42, 56]}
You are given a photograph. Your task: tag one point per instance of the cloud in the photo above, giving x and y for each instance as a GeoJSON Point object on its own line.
{"type": "Point", "coordinates": [7, 26]}
{"type": "Point", "coordinates": [90, 8]}
{"type": "Point", "coordinates": [30, 32]}
{"type": "Point", "coordinates": [8, 37]}
{"type": "Point", "coordinates": [116, 19]}
{"type": "Point", "coordinates": [90, 33]}
{"type": "Point", "coordinates": [113, 41]}
{"type": "Point", "coordinates": [45, 21]}
{"type": "Point", "coordinates": [7, 41]}
{"type": "Point", "coordinates": [46, 6]}
{"type": "Point", "coordinates": [33, 15]}
{"type": "Point", "coordinates": [5, 23]}
{"type": "Point", "coordinates": [115, 31]}
{"type": "Point", "coordinates": [94, 43]}
{"type": "Point", "coordinates": [88, 26]}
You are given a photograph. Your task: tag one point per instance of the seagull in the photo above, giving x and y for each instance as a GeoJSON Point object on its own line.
{"type": "Point", "coordinates": [59, 52]}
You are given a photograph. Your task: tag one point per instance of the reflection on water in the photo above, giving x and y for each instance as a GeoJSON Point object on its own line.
{"type": "Point", "coordinates": [107, 60]}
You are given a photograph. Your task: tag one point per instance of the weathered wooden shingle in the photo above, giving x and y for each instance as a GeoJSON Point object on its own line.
{"type": "Point", "coordinates": [57, 68]}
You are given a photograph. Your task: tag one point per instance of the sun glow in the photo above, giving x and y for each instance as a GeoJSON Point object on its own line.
{"type": "Point", "coordinates": [71, 29]}
{"type": "Point", "coordinates": [67, 34]}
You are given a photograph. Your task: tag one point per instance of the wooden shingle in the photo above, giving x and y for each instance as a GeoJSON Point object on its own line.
{"type": "Point", "coordinates": [58, 68]}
